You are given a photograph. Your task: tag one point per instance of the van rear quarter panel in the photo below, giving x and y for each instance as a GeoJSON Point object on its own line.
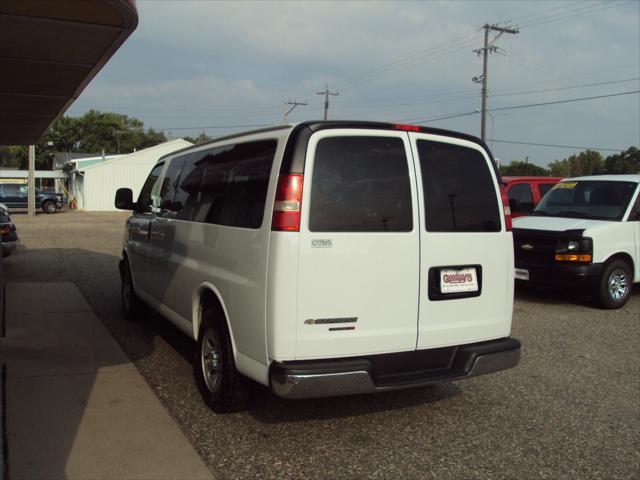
{"type": "Point", "coordinates": [282, 295]}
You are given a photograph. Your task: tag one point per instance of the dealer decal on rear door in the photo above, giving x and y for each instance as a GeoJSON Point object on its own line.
{"type": "Point", "coordinates": [463, 280]}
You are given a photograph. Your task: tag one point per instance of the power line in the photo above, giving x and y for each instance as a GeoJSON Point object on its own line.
{"type": "Point", "coordinates": [436, 119]}
{"type": "Point", "coordinates": [575, 14]}
{"type": "Point", "coordinates": [452, 97]}
{"type": "Point", "coordinates": [564, 88]}
{"type": "Point", "coordinates": [418, 56]}
{"type": "Point", "coordinates": [566, 101]}
{"type": "Point", "coordinates": [512, 20]}
{"type": "Point", "coordinates": [433, 56]}
{"type": "Point", "coordinates": [561, 146]}
{"type": "Point", "coordinates": [569, 10]}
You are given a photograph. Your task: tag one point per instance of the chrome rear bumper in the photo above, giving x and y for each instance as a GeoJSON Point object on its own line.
{"type": "Point", "coordinates": [349, 376]}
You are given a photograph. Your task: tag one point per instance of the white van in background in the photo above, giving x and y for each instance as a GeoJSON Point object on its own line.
{"type": "Point", "coordinates": [584, 234]}
{"type": "Point", "coordinates": [327, 258]}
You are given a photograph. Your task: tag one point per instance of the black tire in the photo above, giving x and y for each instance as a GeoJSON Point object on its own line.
{"type": "Point", "coordinates": [614, 286]}
{"type": "Point", "coordinates": [49, 207]}
{"type": "Point", "coordinates": [132, 306]}
{"type": "Point", "coordinates": [223, 389]}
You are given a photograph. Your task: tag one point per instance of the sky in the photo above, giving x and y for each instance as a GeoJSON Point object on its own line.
{"type": "Point", "coordinates": [223, 67]}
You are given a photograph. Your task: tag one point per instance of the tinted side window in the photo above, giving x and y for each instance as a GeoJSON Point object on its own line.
{"type": "Point", "coordinates": [360, 184]}
{"type": "Point", "coordinates": [234, 183]}
{"type": "Point", "coordinates": [10, 189]}
{"type": "Point", "coordinates": [169, 186]}
{"type": "Point", "coordinates": [459, 192]}
{"type": "Point", "coordinates": [186, 194]}
{"type": "Point", "coordinates": [520, 198]}
{"type": "Point", "coordinates": [544, 188]}
{"type": "Point", "coordinates": [143, 205]}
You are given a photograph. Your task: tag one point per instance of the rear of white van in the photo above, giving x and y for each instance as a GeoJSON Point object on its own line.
{"type": "Point", "coordinates": [390, 261]}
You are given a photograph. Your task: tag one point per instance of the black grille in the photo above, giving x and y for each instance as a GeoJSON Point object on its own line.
{"type": "Point", "coordinates": [530, 247]}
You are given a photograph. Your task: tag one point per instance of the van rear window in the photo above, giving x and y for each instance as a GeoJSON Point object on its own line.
{"type": "Point", "coordinates": [360, 184]}
{"type": "Point", "coordinates": [459, 192]}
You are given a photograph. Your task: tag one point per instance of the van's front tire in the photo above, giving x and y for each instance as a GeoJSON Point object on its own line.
{"type": "Point", "coordinates": [223, 389]}
{"type": "Point", "coordinates": [614, 287]}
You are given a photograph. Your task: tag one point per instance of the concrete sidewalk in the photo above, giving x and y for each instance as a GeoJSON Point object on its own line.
{"type": "Point", "coordinates": [76, 407]}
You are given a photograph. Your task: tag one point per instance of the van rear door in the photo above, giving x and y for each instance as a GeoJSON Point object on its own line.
{"type": "Point", "coordinates": [466, 254]}
{"type": "Point", "coordinates": [358, 256]}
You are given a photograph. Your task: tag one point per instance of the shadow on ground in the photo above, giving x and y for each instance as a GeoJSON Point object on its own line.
{"type": "Point", "coordinates": [269, 408]}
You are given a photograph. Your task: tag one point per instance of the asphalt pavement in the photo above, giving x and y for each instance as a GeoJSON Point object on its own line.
{"type": "Point", "coordinates": [571, 409]}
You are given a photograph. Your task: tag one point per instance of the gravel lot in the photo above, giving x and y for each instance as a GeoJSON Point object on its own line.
{"type": "Point", "coordinates": [571, 409]}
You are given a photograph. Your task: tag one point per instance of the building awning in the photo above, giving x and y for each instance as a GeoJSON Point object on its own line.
{"type": "Point", "coordinates": [49, 52]}
{"type": "Point", "coordinates": [14, 174]}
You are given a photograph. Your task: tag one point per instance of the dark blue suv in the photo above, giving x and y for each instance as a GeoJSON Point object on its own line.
{"type": "Point", "coordinates": [15, 195]}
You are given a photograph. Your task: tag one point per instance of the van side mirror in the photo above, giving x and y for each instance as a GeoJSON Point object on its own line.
{"type": "Point", "coordinates": [124, 199]}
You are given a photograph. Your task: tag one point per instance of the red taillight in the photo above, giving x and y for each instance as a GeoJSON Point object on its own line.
{"type": "Point", "coordinates": [286, 207]}
{"type": "Point", "coordinates": [506, 208]}
{"type": "Point", "coordinates": [407, 128]}
{"type": "Point", "coordinates": [5, 229]}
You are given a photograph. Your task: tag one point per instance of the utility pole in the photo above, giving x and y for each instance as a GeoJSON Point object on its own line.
{"type": "Point", "coordinates": [31, 188]}
{"type": "Point", "coordinates": [287, 110]}
{"type": "Point", "coordinates": [326, 94]}
{"type": "Point", "coordinates": [117, 133]}
{"type": "Point", "coordinates": [489, 47]}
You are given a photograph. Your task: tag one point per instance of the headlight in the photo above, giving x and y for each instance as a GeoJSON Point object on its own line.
{"type": "Point", "coordinates": [574, 251]}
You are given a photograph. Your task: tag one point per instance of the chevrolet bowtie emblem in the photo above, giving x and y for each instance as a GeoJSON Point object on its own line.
{"type": "Point", "coordinates": [527, 246]}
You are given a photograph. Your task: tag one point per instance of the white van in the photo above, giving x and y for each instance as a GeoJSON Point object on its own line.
{"type": "Point", "coordinates": [584, 233]}
{"type": "Point", "coordinates": [327, 258]}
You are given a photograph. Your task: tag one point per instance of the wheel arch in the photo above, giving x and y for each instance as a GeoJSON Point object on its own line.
{"type": "Point", "coordinates": [624, 256]}
{"type": "Point", "coordinates": [207, 294]}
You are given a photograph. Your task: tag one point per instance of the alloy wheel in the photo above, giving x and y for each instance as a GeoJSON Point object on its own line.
{"type": "Point", "coordinates": [211, 360]}
{"type": "Point", "coordinates": [618, 285]}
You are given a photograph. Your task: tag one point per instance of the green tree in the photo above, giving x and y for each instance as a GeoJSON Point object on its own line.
{"type": "Point", "coordinates": [94, 131]}
{"type": "Point", "coordinates": [624, 162]}
{"type": "Point", "coordinates": [520, 168]}
{"type": "Point", "coordinates": [588, 162]}
{"type": "Point", "coordinates": [17, 156]}
{"type": "Point", "coordinates": [201, 138]}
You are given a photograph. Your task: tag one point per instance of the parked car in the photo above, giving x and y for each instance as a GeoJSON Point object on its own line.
{"type": "Point", "coordinates": [322, 259]}
{"type": "Point", "coordinates": [526, 192]}
{"type": "Point", "coordinates": [585, 233]}
{"type": "Point", "coordinates": [8, 233]}
{"type": "Point", "coordinates": [15, 195]}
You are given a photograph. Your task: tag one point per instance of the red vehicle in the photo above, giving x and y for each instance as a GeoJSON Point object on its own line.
{"type": "Point", "coordinates": [525, 192]}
